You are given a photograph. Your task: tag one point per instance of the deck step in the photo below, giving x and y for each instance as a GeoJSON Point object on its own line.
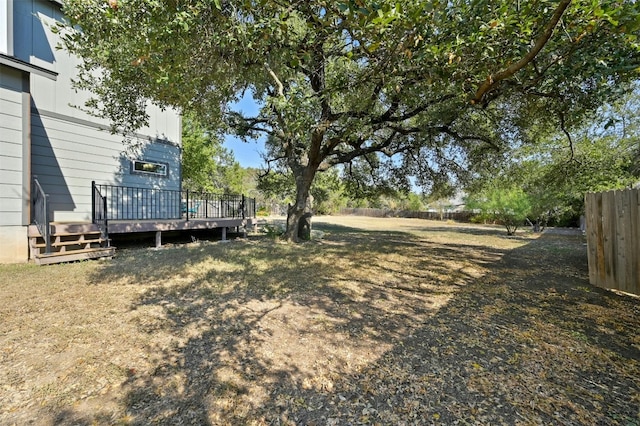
{"type": "Point", "coordinates": [69, 242]}
{"type": "Point", "coordinates": [66, 229]}
{"type": "Point", "coordinates": [75, 255]}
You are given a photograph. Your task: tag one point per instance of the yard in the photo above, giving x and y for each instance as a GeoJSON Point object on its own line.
{"type": "Point", "coordinates": [381, 321]}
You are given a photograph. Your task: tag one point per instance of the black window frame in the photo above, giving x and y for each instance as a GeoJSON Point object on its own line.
{"type": "Point", "coordinates": [136, 171]}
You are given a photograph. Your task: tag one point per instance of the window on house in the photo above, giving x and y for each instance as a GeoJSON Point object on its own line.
{"type": "Point", "coordinates": [147, 167]}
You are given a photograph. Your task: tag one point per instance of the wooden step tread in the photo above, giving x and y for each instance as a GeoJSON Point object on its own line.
{"type": "Point", "coordinates": [68, 234]}
{"type": "Point", "coordinates": [70, 243]}
{"type": "Point", "coordinates": [66, 253]}
{"type": "Point", "coordinates": [73, 256]}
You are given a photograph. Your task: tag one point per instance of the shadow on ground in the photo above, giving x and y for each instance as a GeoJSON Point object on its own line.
{"type": "Point", "coordinates": [370, 327]}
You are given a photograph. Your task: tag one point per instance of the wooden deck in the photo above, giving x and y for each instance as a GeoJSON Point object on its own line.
{"type": "Point", "coordinates": [72, 241]}
{"type": "Point", "coordinates": [130, 226]}
{"type": "Point", "coordinates": [172, 225]}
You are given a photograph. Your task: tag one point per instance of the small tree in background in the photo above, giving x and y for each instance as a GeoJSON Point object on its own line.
{"type": "Point", "coordinates": [414, 202]}
{"type": "Point", "coordinates": [508, 206]}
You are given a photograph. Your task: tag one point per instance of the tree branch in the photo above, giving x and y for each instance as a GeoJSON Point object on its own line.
{"type": "Point", "coordinates": [277, 80]}
{"type": "Point", "coordinates": [494, 79]}
{"type": "Point", "coordinates": [568, 135]}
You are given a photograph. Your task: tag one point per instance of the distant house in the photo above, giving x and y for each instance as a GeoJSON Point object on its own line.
{"type": "Point", "coordinates": [51, 152]}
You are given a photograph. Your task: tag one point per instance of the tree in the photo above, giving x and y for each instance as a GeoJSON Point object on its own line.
{"type": "Point", "coordinates": [556, 170]}
{"type": "Point", "coordinates": [433, 89]}
{"type": "Point", "coordinates": [327, 191]}
{"type": "Point", "coordinates": [414, 202]}
{"type": "Point", "coordinates": [206, 165]}
{"type": "Point", "coordinates": [508, 205]}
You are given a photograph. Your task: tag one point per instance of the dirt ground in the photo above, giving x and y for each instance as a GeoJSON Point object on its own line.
{"type": "Point", "coordinates": [377, 321]}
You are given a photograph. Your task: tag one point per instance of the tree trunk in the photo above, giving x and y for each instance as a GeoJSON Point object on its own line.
{"type": "Point", "coordinates": [299, 214]}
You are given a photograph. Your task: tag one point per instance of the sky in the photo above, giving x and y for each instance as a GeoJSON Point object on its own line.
{"type": "Point", "coordinates": [246, 153]}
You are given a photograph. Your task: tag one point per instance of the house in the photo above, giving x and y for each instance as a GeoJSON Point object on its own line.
{"type": "Point", "coordinates": [66, 182]}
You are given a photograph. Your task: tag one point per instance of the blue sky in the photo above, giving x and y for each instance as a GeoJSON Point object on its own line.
{"type": "Point", "coordinates": [246, 153]}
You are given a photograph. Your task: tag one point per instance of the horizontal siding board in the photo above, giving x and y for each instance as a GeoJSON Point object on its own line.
{"type": "Point", "coordinates": [100, 149]}
{"type": "Point", "coordinates": [49, 183]}
{"type": "Point", "coordinates": [9, 192]}
{"type": "Point", "coordinates": [10, 218]}
{"type": "Point", "coordinates": [149, 182]}
{"type": "Point", "coordinates": [75, 131]}
{"type": "Point", "coordinates": [11, 177]}
{"type": "Point", "coordinates": [10, 204]}
{"type": "Point", "coordinates": [86, 144]}
{"type": "Point", "coordinates": [82, 138]}
{"type": "Point", "coordinates": [10, 137]}
{"type": "Point", "coordinates": [11, 107]}
{"type": "Point", "coordinates": [79, 175]}
{"type": "Point", "coordinates": [99, 152]}
{"type": "Point", "coordinates": [8, 165]}
{"type": "Point", "coordinates": [82, 161]}
{"type": "Point", "coordinates": [11, 150]}
{"type": "Point", "coordinates": [97, 168]}
{"type": "Point", "coordinates": [80, 133]}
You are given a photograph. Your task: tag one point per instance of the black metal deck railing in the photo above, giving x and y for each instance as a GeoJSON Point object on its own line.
{"type": "Point", "coordinates": [41, 213]}
{"type": "Point", "coordinates": [99, 211]}
{"type": "Point", "coordinates": [132, 203]}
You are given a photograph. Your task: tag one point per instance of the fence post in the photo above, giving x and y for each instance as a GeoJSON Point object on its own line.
{"type": "Point", "coordinates": [243, 207]}
{"type": "Point", "coordinates": [187, 205]}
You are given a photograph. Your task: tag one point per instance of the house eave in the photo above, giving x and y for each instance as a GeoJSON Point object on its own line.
{"type": "Point", "coordinates": [21, 65]}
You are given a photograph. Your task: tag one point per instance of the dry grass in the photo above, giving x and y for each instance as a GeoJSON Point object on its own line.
{"type": "Point", "coordinates": [383, 321]}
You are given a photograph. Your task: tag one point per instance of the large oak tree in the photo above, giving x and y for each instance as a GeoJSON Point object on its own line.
{"type": "Point", "coordinates": [429, 89]}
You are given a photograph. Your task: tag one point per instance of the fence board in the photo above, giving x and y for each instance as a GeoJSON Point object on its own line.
{"type": "Point", "coordinates": [613, 239]}
{"type": "Point", "coordinates": [600, 261]}
{"type": "Point", "coordinates": [620, 243]}
{"type": "Point", "coordinates": [608, 234]}
{"type": "Point", "coordinates": [590, 227]}
{"type": "Point", "coordinates": [634, 213]}
{"type": "Point", "coordinates": [627, 241]}
{"type": "Point", "coordinates": [459, 216]}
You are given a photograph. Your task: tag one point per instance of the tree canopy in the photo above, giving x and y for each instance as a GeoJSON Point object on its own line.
{"type": "Point", "coordinates": [556, 171]}
{"type": "Point", "coordinates": [430, 89]}
{"type": "Point", "coordinates": [207, 165]}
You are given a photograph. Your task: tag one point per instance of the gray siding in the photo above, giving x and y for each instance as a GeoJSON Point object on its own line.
{"type": "Point", "coordinates": [11, 135]}
{"type": "Point", "coordinates": [67, 156]}
{"type": "Point", "coordinates": [69, 148]}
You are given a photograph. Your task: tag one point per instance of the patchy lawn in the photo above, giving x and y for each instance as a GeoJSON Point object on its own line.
{"type": "Point", "coordinates": [383, 321]}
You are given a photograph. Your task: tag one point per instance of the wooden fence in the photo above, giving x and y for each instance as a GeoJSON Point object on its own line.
{"type": "Point", "coordinates": [613, 239]}
{"type": "Point", "coordinates": [463, 216]}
